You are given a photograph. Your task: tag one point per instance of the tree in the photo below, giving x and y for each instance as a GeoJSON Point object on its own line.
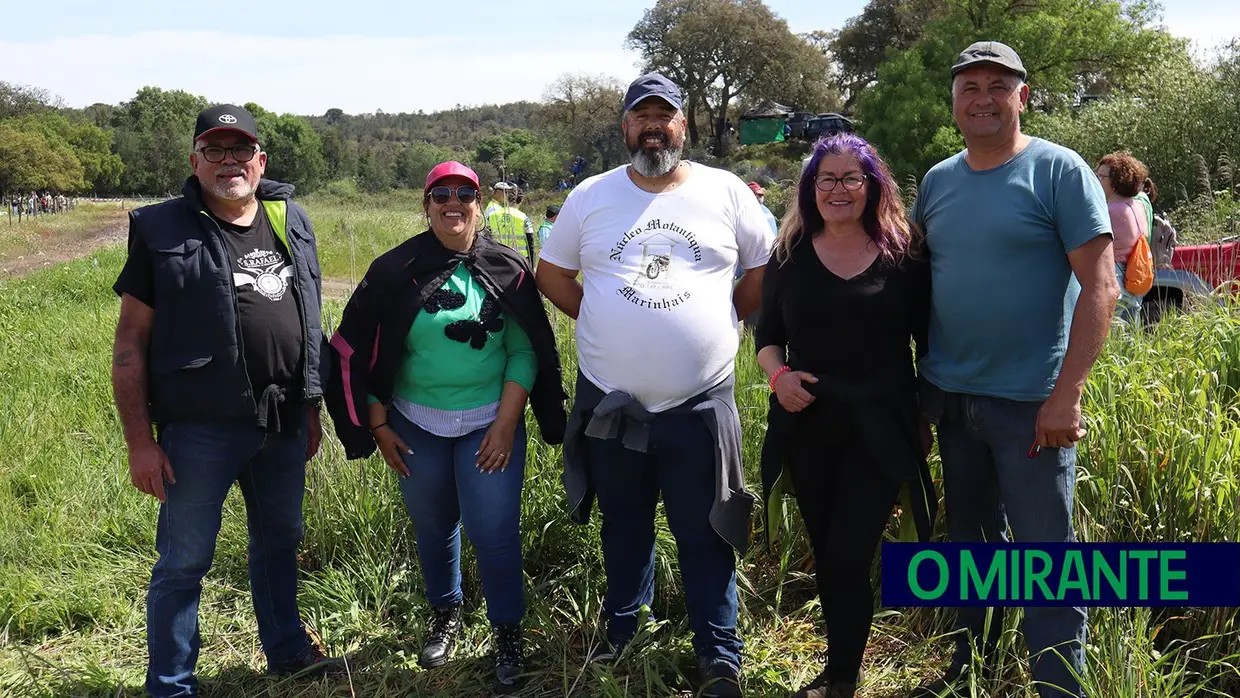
{"type": "Point", "coordinates": [1066, 46]}
{"type": "Point", "coordinates": [1174, 117]}
{"type": "Point", "coordinates": [805, 79]}
{"type": "Point", "coordinates": [541, 161]}
{"type": "Point", "coordinates": [91, 148]}
{"type": "Point", "coordinates": [866, 40]}
{"type": "Point", "coordinates": [717, 51]}
{"type": "Point", "coordinates": [154, 134]}
{"type": "Point", "coordinates": [100, 114]}
{"type": "Point", "coordinates": [29, 162]}
{"type": "Point", "coordinates": [294, 149]}
{"type": "Point", "coordinates": [905, 113]}
{"type": "Point", "coordinates": [583, 111]}
{"type": "Point", "coordinates": [416, 160]}
{"type": "Point", "coordinates": [20, 100]}
{"type": "Point", "coordinates": [339, 153]}
{"type": "Point", "coordinates": [334, 116]}
{"type": "Point", "coordinates": [376, 167]}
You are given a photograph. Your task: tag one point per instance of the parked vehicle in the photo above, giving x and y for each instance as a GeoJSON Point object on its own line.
{"type": "Point", "coordinates": [1196, 273]}
{"type": "Point", "coordinates": [1217, 263]}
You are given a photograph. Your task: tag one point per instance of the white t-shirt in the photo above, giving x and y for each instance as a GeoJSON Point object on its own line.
{"type": "Point", "coordinates": [657, 319]}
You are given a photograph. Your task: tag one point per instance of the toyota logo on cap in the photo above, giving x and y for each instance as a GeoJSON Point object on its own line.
{"type": "Point", "coordinates": [227, 119]}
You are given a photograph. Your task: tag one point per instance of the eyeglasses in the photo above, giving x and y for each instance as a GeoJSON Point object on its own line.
{"type": "Point", "coordinates": [464, 194]}
{"type": "Point", "coordinates": [240, 153]}
{"type": "Point", "coordinates": [827, 182]}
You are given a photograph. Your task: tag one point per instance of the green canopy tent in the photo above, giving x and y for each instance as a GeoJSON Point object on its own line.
{"type": "Point", "coordinates": [762, 131]}
{"type": "Point", "coordinates": [764, 123]}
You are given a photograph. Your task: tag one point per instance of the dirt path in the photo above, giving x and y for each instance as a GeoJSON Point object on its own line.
{"type": "Point", "coordinates": [337, 289]}
{"type": "Point", "coordinates": [64, 249]}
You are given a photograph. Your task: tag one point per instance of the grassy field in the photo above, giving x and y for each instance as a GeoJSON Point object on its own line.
{"type": "Point", "coordinates": [76, 540]}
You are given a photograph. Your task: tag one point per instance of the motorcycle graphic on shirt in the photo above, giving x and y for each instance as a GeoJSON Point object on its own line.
{"type": "Point", "coordinates": [266, 271]}
{"type": "Point", "coordinates": [656, 263]}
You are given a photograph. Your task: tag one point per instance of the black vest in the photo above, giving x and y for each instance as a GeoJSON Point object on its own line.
{"type": "Point", "coordinates": [196, 365]}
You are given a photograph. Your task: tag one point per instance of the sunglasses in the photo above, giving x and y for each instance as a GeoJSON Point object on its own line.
{"type": "Point", "coordinates": [240, 153]}
{"type": "Point", "coordinates": [464, 194]}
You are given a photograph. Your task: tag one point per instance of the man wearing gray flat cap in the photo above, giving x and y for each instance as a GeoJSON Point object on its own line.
{"type": "Point", "coordinates": [1023, 288]}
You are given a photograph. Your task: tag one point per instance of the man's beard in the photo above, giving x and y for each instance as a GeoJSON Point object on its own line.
{"type": "Point", "coordinates": [656, 162]}
{"type": "Point", "coordinates": [231, 192]}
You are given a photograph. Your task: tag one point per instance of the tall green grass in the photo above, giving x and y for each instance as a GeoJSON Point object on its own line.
{"type": "Point", "coordinates": [76, 540]}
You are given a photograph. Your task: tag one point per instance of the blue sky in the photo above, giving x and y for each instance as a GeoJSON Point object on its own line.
{"type": "Point", "coordinates": [361, 56]}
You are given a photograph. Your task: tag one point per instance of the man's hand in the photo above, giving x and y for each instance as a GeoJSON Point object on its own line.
{"type": "Point", "coordinates": [1059, 421]}
{"type": "Point", "coordinates": [148, 467]}
{"type": "Point", "coordinates": [315, 435]}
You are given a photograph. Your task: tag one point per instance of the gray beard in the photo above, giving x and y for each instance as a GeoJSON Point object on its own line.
{"type": "Point", "coordinates": [237, 192]}
{"type": "Point", "coordinates": [657, 163]}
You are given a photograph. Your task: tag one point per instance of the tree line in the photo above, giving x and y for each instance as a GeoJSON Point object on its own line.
{"type": "Point", "coordinates": [1104, 76]}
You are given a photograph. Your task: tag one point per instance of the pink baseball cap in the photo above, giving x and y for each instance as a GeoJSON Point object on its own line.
{"type": "Point", "coordinates": [450, 169]}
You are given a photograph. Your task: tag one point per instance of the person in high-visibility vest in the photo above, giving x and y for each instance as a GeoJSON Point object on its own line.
{"type": "Point", "coordinates": [499, 198]}
{"type": "Point", "coordinates": [511, 227]}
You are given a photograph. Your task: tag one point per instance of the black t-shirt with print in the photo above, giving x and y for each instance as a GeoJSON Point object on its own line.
{"type": "Point", "coordinates": [266, 303]}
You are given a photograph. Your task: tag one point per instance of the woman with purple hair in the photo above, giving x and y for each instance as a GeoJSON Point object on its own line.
{"type": "Point", "coordinates": [846, 293]}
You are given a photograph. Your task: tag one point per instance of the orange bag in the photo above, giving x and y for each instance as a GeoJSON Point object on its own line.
{"type": "Point", "coordinates": [1139, 273]}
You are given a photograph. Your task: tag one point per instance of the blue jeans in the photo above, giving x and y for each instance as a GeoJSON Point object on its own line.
{"type": "Point", "coordinates": [1128, 307]}
{"type": "Point", "coordinates": [680, 464]}
{"type": "Point", "coordinates": [989, 483]}
{"type": "Point", "coordinates": [445, 489]}
{"type": "Point", "coordinates": [206, 459]}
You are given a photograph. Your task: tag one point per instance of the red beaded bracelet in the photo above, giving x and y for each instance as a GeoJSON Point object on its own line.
{"type": "Point", "coordinates": [782, 370]}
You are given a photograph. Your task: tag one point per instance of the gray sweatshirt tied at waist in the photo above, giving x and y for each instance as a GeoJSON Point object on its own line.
{"type": "Point", "coordinates": [599, 415]}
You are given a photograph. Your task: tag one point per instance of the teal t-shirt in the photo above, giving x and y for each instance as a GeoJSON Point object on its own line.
{"type": "Point", "coordinates": [1003, 291]}
{"type": "Point", "coordinates": [461, 349]}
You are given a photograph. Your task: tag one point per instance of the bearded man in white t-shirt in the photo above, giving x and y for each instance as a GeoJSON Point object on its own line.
{"type": "Point", "coordinates": [656, 243]}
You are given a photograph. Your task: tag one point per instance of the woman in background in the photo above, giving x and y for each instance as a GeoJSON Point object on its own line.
{"type": "Point", "coordinates": [1123, 177]}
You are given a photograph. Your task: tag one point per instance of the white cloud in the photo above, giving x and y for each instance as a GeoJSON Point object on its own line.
{"type": "Point", "coordinates": [306, 75]}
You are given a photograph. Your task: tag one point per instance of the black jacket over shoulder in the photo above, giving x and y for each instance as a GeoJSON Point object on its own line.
{"type": "Point", "coordinates": [368, 348]}
{"type": "Point", "coordinates": [197, 368]}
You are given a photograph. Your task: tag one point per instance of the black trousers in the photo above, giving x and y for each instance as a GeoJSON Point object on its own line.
{"type": "Point", "coordinates": [845, 503]}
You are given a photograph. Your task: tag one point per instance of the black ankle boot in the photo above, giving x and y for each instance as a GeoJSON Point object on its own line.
{"type": "Point", "coordinates": [445, 624]}
{"type": "Point", "coordinates": [509, 658]}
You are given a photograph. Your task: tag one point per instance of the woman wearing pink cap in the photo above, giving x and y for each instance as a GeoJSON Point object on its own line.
{"type": "Point", "coordinates": [437, 352]}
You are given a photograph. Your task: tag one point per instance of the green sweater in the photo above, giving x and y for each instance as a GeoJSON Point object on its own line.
{"type": "Point", "coordinates": [461, 350]}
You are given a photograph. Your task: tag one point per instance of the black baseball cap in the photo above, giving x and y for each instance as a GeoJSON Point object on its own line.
{"type": "Point", "coordinates": [989, 53]}
{"type": "Point", "coordinates": [653, 85]}
{"type": "Point", "coordinates": [225, 117]}
{"type": "Point", "coordinates": [553, 210]}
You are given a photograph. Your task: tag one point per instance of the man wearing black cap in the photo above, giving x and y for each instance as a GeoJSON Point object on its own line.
{"type": "Point", "coordinates": [216, 377]}
{"type": "Point", "coordinates": [1010, 223]}
{"type": "Point", "coordinates": [656, 243]}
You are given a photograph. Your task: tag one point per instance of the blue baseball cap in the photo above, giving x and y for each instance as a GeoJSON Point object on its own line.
{"type": "Point", "coordinates": [652, 85]}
